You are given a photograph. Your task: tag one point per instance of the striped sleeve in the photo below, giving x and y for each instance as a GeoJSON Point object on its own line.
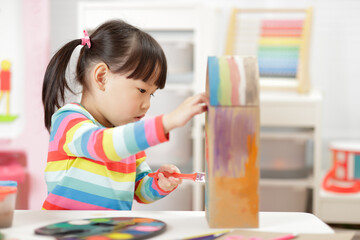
{"type": "Point", "coordinates": [147, 189]}
{"type": "Point", "coordinates": [74, 134]}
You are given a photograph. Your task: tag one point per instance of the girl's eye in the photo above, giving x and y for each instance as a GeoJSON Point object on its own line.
{"type": "Point", "coordinates": [152, 95]}
{"type": "Point", "coordinates": [142, 90]}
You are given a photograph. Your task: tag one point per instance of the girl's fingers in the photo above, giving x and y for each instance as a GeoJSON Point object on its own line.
{"type": "Point", "coordinates": [175, 169]}
{"type": "Point", "coordinates": [170, 182]}
{"type": "Point", "coordinates": [164, 182]}
{"type": "Point", "coordinates": [201, 98]}
{"type": "Point", "coordinates": [169, 168]}
{"type": "Point", "coordinates": [204, 108]}
{"type": "Point", "coordinates": [161, 175]}
{"type": "Point", "coordinates": [165, 168]}
{"type": "Point", "coordinates": [175, 181]}
{"type": "Point", "coordinates": [201, 108]}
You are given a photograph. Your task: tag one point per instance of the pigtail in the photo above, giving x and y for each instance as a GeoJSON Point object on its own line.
{"type": "Point", "coordinates": [55, 84]}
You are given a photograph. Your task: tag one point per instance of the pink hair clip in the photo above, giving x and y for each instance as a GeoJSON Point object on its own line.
{"type": "Point", "coordinates": [86, 39]}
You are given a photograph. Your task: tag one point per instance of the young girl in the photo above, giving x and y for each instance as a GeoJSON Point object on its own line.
{"type": "Point", "coordinates": [96, 158]}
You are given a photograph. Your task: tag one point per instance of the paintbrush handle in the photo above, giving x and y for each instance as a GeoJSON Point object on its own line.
{"type": "Point", "coordinates": [191, 176]}
{"type": "Point", "coordinates": [286, 237]}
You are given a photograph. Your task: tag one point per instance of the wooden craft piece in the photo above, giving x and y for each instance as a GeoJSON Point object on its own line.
{"type": "Point", "coordinates": [232, 143]}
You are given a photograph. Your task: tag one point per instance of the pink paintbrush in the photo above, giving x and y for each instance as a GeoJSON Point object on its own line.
{"type": "Point", "coordinates": [196, 177]}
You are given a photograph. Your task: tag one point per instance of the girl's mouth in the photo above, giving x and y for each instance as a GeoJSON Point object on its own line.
{"type": "Point", "coordinates": [138, 118]}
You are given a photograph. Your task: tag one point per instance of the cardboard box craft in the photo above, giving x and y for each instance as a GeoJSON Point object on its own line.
{"type": "Point", "coordinates": [232, 143]}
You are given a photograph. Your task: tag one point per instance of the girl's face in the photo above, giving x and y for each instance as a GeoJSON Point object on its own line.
{"type": "Point", "coordinates": [125, 100]}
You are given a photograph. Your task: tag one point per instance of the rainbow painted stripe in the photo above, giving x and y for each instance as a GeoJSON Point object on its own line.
{"type": "Point", "coordinates": [233, 81]}
{"type": "Point", "coordinates": [278, 47]}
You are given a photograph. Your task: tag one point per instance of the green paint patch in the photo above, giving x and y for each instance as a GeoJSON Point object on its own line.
{"type": "Point", "coordinates": [7, 118]}
{"type": "Point", "coordinates": [100, 220]}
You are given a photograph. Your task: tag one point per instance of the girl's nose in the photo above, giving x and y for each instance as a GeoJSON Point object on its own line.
{"type": "Point", "coordinates": [146, 103]}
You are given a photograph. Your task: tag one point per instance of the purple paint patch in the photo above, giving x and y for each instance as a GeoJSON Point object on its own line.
{"type": "Point", "coordinates": [232, 126]}
{"type": "Point", "coordinates": [222, 138]}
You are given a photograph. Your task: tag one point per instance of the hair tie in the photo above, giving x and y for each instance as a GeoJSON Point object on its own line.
{"type": "Point", "coordinates": [86, 39]}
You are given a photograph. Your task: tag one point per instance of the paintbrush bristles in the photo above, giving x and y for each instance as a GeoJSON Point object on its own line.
{"type": "Point", "coordinates": [200, 177]}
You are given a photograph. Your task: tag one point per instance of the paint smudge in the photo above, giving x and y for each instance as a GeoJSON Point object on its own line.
{"type": "Point", "coordinates": [233, 172]}
{"type": "Point", "coordinates": [231, 127]}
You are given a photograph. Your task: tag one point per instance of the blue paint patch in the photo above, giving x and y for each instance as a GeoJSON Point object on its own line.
{"type": "Point", "coordinates": [357, 166]}
{"type": "Point", "coordinates": [214, 80]}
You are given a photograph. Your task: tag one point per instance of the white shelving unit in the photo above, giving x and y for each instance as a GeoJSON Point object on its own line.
{"type": "Point", "coordinates": [174, 21]}
{"type": "Point", "coordinates": [338, 208]}
{"type": "Point", "coordinates": [301, 112]}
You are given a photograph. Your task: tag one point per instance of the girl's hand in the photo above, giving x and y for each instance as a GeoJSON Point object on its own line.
{"type": "Point", "coordinates": [187, 110]}
{"type": "Point", "coordinates": [170, 183]}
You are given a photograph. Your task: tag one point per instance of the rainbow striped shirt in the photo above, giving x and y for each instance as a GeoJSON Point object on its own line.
{"type": "Point", "coordinates": [91, 167]}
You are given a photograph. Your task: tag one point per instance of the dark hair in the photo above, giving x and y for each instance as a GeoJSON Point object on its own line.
{"type": "Point", "coordinates": [124, 48]}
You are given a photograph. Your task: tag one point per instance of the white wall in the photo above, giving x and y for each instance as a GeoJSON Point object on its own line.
{"type": "Point", "coordinates": [334, 61]}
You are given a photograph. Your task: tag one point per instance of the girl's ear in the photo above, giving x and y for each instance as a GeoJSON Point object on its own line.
{"type": "Point", "coordinates": [100, 72]}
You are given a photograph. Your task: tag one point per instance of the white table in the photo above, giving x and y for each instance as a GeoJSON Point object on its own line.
{"type": "Point", "coordinates": [180, 224]}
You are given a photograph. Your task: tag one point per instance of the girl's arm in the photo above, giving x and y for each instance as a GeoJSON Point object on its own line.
{"type": "Point", "coordinates": [185, 112]}
{"type": "Point", "coordinates": [75, 135]}
{"type": "Point", "coordinates": [147, 189]}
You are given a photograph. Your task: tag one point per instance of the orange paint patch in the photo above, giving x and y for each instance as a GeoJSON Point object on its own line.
{"type": "Point", "coordinates": [234, 201]}
{"type": "Point", "coordinates": [143, 220]}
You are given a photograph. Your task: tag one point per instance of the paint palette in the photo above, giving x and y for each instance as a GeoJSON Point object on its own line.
{"type": "Point", "coordinates": [104, 228]}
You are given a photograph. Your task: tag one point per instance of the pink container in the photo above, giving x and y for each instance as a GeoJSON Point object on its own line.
{"type": "Point", "coordinates": [7, 205]}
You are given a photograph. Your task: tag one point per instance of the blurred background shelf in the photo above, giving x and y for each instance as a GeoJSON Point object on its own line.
{"type": "Point", "coordinates": [290, 150]}
{"type": "Point", "coordinates": [302, 182]}
{"type": "Point", "coordinates": [338, 207]}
